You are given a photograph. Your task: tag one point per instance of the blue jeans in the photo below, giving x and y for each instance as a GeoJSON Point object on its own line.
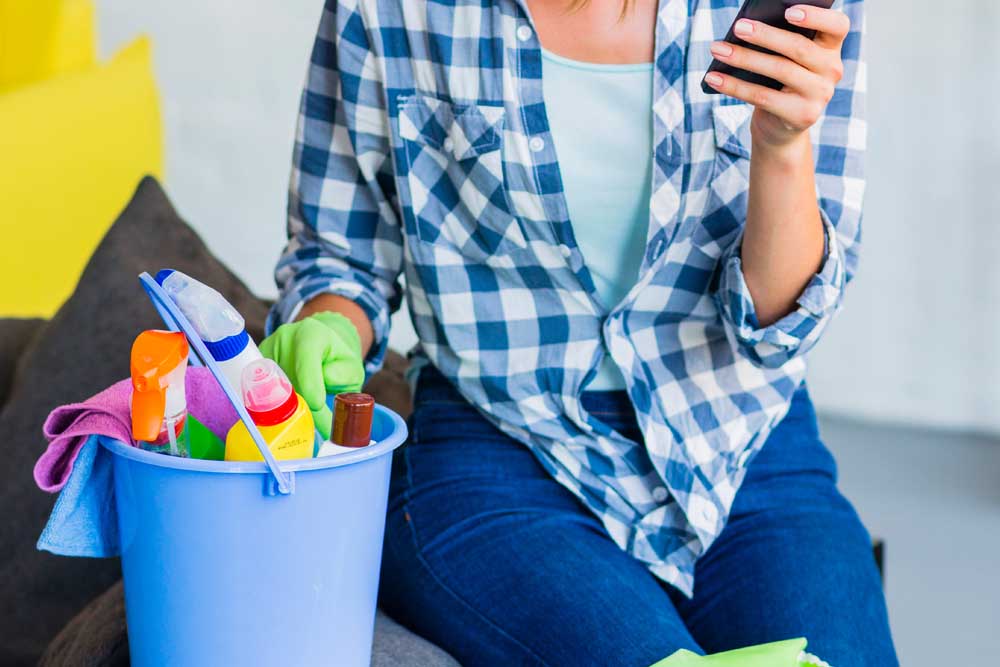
{"type": "Point", "coordinates": [490, 558]}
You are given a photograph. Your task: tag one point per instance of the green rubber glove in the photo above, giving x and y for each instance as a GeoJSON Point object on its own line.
{"type": "Point", "coordinates": [321, 355]}
{"type": "Point", "coordinates": [789, 653]}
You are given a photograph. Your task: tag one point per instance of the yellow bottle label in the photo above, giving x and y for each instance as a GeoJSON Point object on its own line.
{"type": "Point", "coordinates": [292, 439]}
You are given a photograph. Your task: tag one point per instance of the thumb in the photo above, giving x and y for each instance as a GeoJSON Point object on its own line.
{"type": "Point", "coordinates": [342, 375]}
{"type": "Point", "coordinates": [308, 370]}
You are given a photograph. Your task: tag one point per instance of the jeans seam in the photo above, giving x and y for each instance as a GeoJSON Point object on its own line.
{"type": "Point", "coordinates": [454, 594]}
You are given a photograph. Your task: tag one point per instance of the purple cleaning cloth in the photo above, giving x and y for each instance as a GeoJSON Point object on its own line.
{"type": "Point", "coordinates": [108, 413]}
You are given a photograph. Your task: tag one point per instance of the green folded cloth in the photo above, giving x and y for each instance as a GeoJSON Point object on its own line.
{"type": "Point", "coordinates": [788, 653]}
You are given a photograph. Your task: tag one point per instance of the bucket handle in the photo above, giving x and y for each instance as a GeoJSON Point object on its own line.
{"type": "Point", "coordinates": [176, 321]}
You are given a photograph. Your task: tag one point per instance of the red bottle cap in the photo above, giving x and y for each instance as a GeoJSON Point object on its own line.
{"type": "Point", "coordinates": [267, 393]}
{"type": "Point", "coordinates": [352, 420]}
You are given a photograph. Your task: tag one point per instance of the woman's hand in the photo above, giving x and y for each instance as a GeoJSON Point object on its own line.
{"type": "Point", "coordinates": [809, 69]}
{"type": "Point", "coordinates": [321, 355]}
{"type": "Point", "coordinates": [782, 244]}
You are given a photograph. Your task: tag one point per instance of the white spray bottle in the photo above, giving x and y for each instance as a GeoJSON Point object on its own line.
{"type": "Point", "coordinates": [217, 323]}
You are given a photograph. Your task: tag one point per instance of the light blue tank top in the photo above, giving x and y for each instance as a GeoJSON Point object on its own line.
{"type": "Point", "coordinates": [601, 120]}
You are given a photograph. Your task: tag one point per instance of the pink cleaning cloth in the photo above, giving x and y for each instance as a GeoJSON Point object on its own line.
{"type": "Point", "coordinates": [109, 414]}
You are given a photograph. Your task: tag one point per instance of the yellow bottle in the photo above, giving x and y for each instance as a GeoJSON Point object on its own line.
{"type": "Point", "coordinates": [280, 414]}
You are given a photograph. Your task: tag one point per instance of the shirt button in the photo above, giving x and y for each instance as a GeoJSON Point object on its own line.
{"type": "Point", "coordinates": [449, 145]}
{"type": "Point", "coordinates": [566, 252]}
{"type": "Point", "coordinates": [524, 33]}
{"type": "Point", "coordinates": [660, 494]}
{"type": "Point", "coordinates": [536, 144]}
{"type": "Point", "coordinates": [708, 514]}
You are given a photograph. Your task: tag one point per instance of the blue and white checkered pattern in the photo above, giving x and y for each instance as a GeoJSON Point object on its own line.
{"type": "Point", "coordinates": [423, 149]}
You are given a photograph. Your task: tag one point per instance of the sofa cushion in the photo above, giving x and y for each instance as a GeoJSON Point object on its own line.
{"type": "Point", "coordinates": [74, 148]}
{"type": "Point", "coordinates": [80, 351]}
{"type": "Point", "coordinates": [43, 39]}
{"type": "Point", "coordinates": [15, 335]}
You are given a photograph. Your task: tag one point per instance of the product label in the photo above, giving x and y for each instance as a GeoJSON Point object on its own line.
{"type": "Point", "coordinates": [293, 443]}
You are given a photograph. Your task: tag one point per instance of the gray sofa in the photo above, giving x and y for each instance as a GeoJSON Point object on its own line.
{"type": "Point", "coordinates": [70, 611]}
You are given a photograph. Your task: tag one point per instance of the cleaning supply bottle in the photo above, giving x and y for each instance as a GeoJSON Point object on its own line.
{"type": "Point", "coordinates": [203, 443]}
{"type": "Point", "coordinates": [218, 324]}
{"type": "Point", "coordinates": [281, 415]}
{"type": "Point", "coordinates": [352, 424]}
{"type": "Point", "coordinates": [159, 409]}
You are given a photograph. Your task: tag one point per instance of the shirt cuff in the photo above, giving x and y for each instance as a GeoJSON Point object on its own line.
{"type": "Point", "coordinates": [375, 307]}
{"type": "Point", "coordinates": [795, 333]}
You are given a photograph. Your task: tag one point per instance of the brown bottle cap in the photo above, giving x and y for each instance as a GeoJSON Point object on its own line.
{"type": "Point", "coordinates": [352, 420]}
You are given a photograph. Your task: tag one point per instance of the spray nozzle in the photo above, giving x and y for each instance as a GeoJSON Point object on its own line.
{"type": "Point", "coordinates": [210, 314]}
{"type": "Point", "coordinates": [267, 393]}
{"type": "Point", "coordinates": [158, 362]}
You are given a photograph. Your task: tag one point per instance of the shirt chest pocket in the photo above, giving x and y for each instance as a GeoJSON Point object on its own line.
{"type": "Point", "coordinates": [731, 171]}
{"type": "Point", "coordinates": [730, 178]}
{"type": "Point", "coordinates": [455, 176]}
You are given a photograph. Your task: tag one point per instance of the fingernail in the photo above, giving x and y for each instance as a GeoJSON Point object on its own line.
{"type": "Point", "coordinates": [744, 27]}
{"type": "Point", "coordinates": [714, 79]}
{"type": "Point", "coordinates": [721, 49]}
{"type": "Point", "coordinates": [795, 14]}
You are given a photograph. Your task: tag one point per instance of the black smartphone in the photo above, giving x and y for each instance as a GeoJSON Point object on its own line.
{"type": "Point", "coordinates": [771, 12]}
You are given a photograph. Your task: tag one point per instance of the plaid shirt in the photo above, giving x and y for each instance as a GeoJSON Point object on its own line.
{"type": "Point", "coordinates": [423, 149]}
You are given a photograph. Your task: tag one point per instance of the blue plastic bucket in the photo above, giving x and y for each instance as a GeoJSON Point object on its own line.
{"type": "Point", "coordinates": [219, 572]}
{"type": "Point", "coordinates": [246, 563]}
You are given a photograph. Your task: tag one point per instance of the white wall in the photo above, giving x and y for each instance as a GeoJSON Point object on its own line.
{"type": "Point", "coordinates": [917, 341]}
{"type": "Point", "coordinates": [230, 74]}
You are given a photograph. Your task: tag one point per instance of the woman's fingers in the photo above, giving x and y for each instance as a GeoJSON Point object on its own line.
{"type": "Point", "coordinates": [831, 26]}
{"type": "Point", "coordinates": [809, 68]}
{"type": "Point", "coordinates": [798, 113]}
{"type": "Point", "coordinates": [793, 46]}
{"type": "Point", "coordinates": [782, 69]}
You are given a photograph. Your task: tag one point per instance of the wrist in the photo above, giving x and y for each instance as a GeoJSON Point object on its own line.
{"type": "Point", "coordinates": [343, 327]}
{"type": "Point", "coordinates": [789, 155]}
{"type": "Point", "coordinates": [346, 308]}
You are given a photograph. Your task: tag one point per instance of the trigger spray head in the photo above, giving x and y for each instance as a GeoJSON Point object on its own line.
{"type": "Point", "coordinates": [157, 365]}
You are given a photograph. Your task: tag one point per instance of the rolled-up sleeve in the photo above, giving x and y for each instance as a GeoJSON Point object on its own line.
{"type": "Point", "coordinates": [344, 236]}
{"type": "Point", "coordinates": [839, 140]}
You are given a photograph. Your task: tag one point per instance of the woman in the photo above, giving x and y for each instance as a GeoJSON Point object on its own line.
{"type": "Point", "coordinates": [615, 278]}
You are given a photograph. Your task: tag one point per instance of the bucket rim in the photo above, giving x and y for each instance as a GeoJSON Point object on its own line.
{"type": "Point", "coordinates": [396, 437]}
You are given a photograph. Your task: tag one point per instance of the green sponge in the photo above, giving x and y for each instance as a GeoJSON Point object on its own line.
{"type": "Point", "coordinates": [788, 653]}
